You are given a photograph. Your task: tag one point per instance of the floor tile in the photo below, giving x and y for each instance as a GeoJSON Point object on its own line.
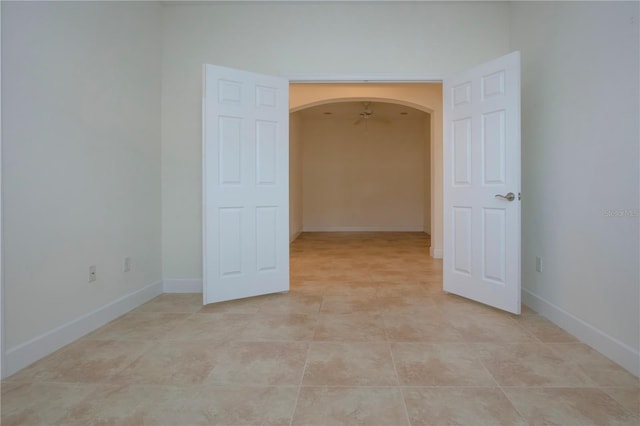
{"type": "Point", "coordinates": [355, 327]}
{"type": "Point", "coordinates": [279, 327]}
{"type": "Point", "coordinates": [387, 289]}
{"type": "Point", "coordinates": [290, 303]}
{"type": "Point", "coordinates": [168, 363]}
{"type": "Point", "coordinates": [349, 364]}
{"type": "Point", "coordinates": [346, 304]}
{"type": "Point", "coordinates": [26, 403]}
{"type": "Point", "coordinates": [346, 275]}
{"type": "Point", "coordinates": [402, 304]}
{"type": "Point", "coordinates": [363, 290]}
{"type": "Point", "coordinates": [476, 406]}
{"type": "Point", "coordinates": [543, 329]}
{"type": "Point", "coordinates": [629, 398]}
{"type": "Point", "coordinates": [258, 363]}
{"type": "Point", "coordinates": [453, 305]}
{"type": "Point", "coordinates": [596, 366]}
{"type": "Point", "coordinates": [139, 326]}
{"type": "Point", "coordinates": [529, 364]}
{"type": "Point", "coordinates": [489, 328]}
{"type": "Point", "coordinates": [195, 405]}
{"type": "Point", "coordinates": [85, 361]}
{"type": "Point", "coordinates": [428, 326]}
{"type": "Point", "coordinates": [426, 364]}
{"type": "Point", "coordinates": [350, 406]}
{"type": "Point", "coordinates": [218, 327]}
{"type": "Point", "coordinates": [121, 405]}
{"type": "Point", "coordinates": [134, 405]}
{"type": "Point", "coordinates": [220, 405]}
{"type": "Point", "coordinates": [569, 406]}
{"type": "Point", "coordinates": [398, 276]}
{"type": "Point", "coordinates": [249, 305]}
{"type": "Point", "coordinates": [174, 303]}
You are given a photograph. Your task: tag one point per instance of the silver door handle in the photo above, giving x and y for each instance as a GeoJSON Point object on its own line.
{"type": "Point", "coordinates": [509, 197]}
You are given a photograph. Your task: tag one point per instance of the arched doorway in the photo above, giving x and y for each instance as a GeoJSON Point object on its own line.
{"type": "Point", "coordinates": [425, 97]}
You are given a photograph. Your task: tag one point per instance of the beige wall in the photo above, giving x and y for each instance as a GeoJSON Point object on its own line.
{"type": "Point", "coordinates": [295, 175]}
{"type": "Point", "coordinates": [426, 130]}
{"type": "Point", "coordinates": [368, 177]}
{"type": "Point", "coordinates": [286, 38]}
{"type": "Point", "coordinates": [426, 97]}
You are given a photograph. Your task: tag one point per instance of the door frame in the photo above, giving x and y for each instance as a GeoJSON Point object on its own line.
{"type": "Point", "coordinates": [2, 298]}
{"type": "Point", "coordinates": [436, 144]}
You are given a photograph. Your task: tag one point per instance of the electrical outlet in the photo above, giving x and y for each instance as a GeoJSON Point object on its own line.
{"type": "Point", "coordinates": [538, 264]}
{"type": "Point", "coordinates": [126, 264]}
{"type": "Point", "coordinates": [92, 273]}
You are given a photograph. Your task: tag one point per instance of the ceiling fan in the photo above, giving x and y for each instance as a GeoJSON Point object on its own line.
{"type": "Point", "coordinates": [367, 114]}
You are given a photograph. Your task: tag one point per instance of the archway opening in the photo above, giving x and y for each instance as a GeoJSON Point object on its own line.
{"type": "Point", "coordinates": [360, 165]}
{"type": "Point", "coordinates": [423, 98]}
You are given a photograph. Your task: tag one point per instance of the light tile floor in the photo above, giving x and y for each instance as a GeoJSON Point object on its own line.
{"type": "Point", "coordinates": [365, 336]}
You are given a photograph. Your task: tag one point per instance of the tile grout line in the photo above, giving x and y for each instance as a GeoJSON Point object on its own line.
{"type": "Point", "coordinates": [502, 391]}
{"type": "Point", "coordinates": [571, 363]}
{"type": "Point", "coordinates": [513, 405]}
{"type": "Point", "coordinates": [395, 370]}
{"type": "Point", "coordinates": [525, 329]}
{"type": "Point", "coordinates": [304, 370]}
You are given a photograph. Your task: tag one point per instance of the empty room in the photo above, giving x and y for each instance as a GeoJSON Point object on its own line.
{"type": "Point", "coordinates": [320, 213]}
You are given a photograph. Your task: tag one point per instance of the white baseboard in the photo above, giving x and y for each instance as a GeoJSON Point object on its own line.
{"type": "Point", "coordinates": [186, 285]}
{"type": "Point", "coordinates": [363, 229]}
{"type": "Point", "coordinates": [295, 236]}
{"type": "Point", "coordinates": [435, 253]}
{"type": "Point", "coordinates": [26, 353]}
{"type": "Point", "coordinates": [609, 346]}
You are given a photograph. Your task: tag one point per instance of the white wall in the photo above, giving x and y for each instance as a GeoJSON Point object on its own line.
{"type": "Point", "coordinates": [291, 38]}
{"type": "Point", "coordinates": [295, 175]}
{"type": "Point", "coordinates": [581, 160]}
{"type": "Point", "coordinates": [368, 177]}
{"type": "Point", "coordinates": [81, 158]}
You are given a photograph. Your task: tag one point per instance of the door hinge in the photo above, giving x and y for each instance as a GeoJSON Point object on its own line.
{"type": "Point", "coordinates": [519, 197]}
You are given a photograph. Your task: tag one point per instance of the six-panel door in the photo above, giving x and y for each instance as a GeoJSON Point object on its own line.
{"type": "Point", "coordinates": [482, 161]}
{"type": "Point", "coordinates": [245, 184]}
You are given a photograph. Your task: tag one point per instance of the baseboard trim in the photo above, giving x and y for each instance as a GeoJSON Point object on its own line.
{"type": "Point", "coordinates": [609, 346]}
{"type": "Point", "coordinates": [435, 253]}
{"type": "Point", "coordinates": [32, 350]}
{"type": "Point", "coordinates": [294, 237]}
{"type": "Point", "coordinates": [363, 229]}
{"type": "Point", "coordinates": [185, 285]}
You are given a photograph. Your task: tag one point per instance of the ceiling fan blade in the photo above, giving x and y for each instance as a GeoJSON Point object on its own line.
{"type": "Point", "coordinates": [358, 121]}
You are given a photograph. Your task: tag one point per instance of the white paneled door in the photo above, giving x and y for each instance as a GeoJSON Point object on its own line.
{"type": "Point", "coordinates": [245, 184]}
{"type": "Point", "coordinates": [482, 183]}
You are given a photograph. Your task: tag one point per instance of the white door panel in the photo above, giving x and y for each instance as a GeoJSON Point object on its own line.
{"type": "Point", "coordinates": [481, 160]}
{"type": "Point", "coordinates": [245, 184]}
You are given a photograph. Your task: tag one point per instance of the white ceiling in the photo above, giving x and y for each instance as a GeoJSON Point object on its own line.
{"type": "Point", "coordinates": [351, 111]}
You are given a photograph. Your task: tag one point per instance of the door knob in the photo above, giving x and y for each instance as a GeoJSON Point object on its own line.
{"type": "Point", "coordinates": [509, 197]}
